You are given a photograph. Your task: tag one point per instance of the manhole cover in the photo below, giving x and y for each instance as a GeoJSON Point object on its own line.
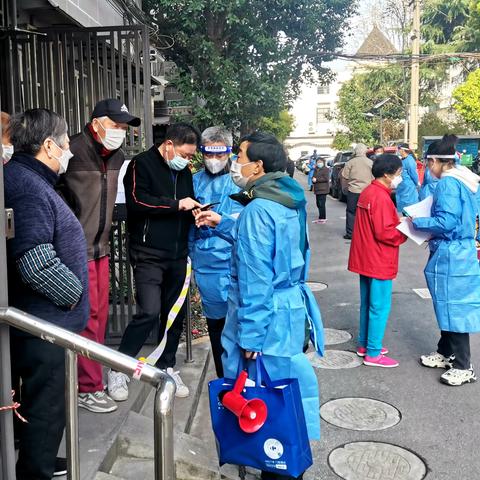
{"type": "Point", "coordinates": [333, 336]}
{"type": "Point", "coordinates": [360, 414]}
{"type": "Point", "coordinates": [335, 359]}
{"type": "Point", "coordinates": [317, 286]}
{"type": "Point", "coordinates": [376, 461]}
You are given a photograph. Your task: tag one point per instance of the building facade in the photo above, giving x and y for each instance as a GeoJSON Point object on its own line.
{"type": "Point", "coordinates": [314, 111]}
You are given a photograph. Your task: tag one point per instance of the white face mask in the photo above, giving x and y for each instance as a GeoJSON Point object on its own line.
{"type": "Point", "coordinates": [114, 137]}
{"type": "Point", "coordinates": [236, 174]}
{"type": "Point", "coordinates": [214, 166]}
{"type": "Point", "coordinates": [397, 181]}
{"type": "Point", "coordinates": [7, 152]}
{"type": "Point", "coordinates": [63, 160]}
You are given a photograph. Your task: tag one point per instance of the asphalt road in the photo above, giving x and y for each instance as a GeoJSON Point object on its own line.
{"type": "Point", "coordinates": [439, 423]}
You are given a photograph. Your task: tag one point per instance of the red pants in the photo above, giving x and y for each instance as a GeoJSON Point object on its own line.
{"type": "Point", "coordinates": [90, 378]}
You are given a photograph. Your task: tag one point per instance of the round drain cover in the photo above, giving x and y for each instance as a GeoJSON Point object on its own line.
{"type": "Point", "coordinates": [317, 286]}
{"type": "Point", "coordinates": [333, 336]}
{"type": "Point", "coordinates": [360, 414]}
{"type": "Point", "coordinates": [335, 359]}
{"type": "Point", "coordinates": [372, 460]}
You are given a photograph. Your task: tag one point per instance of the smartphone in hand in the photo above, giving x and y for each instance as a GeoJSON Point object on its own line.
{"type": "Point", "coordinates": [208, 206]}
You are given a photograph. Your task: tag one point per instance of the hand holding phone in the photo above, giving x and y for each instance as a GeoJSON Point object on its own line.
{"type": "Point", "coordinates": [208, 206]}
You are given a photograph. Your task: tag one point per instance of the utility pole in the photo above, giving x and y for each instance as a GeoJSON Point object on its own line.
{"type": "Point", "coordinates": [415, 80]}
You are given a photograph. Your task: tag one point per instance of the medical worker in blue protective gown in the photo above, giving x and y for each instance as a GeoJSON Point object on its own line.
{"type": "Point", "coordinates": [210, 253]}
{"type": "Point", "coordinates": [270, 309]}
{"type": "Point", "coordinates": [452, 271]}
{"type": "Point", "coordinates": [430, 182]}
{"type": "Point", "coordinates": [407, 192]}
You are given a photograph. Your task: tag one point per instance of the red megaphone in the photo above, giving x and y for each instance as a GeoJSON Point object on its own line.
{"type": "Point", "coordinates": [251, 414]}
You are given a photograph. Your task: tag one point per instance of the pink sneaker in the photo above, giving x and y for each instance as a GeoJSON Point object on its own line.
{"type": "Point", "coordinates": [380, 361]}
{"type": "Point", "coordinates": [322, 221]}
{"type": "Point", "coordinates": [316, 221]}
{"type": "Point", "coordinates": [362, 351]}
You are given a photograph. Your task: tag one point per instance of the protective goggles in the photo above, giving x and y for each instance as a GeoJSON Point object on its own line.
{"type": "Point", "coordinates": [215, 149]}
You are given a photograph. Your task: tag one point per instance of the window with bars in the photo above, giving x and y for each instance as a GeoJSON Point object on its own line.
{"type": "Point", "coordinates": [323, 114]}
{"type": "Point", "coordinates": [323, 89]}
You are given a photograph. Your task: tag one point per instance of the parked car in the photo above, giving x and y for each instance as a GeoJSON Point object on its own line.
{"type": "Point", "coordinates": [337, 187]}
{"type": "Point", "coordinates": [302, 163]}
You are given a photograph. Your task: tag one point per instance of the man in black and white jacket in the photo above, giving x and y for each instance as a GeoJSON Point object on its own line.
{"type": "Point", "coordinates": [159, 198]}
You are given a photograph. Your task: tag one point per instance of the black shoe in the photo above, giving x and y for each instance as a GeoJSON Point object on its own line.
{"type": "Point", "coordinates": [60, 467]}
{"type": "Point", "coordinates": [347, 237]}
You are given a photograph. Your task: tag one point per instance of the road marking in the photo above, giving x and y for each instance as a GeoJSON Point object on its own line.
{"type": "Point", "coordinates": [422, 293]}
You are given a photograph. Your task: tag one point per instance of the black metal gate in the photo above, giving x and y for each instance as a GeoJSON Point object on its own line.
{"type": "Point", "coordinates": [68, 70]}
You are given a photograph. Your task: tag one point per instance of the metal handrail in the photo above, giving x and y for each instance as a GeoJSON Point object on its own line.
{"type": "Point", "coordinates": [75, 344]}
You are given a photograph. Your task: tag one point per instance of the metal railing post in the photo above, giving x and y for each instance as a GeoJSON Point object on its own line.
{"type": "Point", "coordinates": [163, 430]}
{"type": "Point", "coordinates": [75, 344]}
{"type": "Point", "coordinates": [71, 413]}
{"type": "Point", "coordinates": [7, 453]}
{"type": "Point", "coordinates": [188, 328]}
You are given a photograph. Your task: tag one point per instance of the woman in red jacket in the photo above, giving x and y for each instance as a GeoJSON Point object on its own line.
{"type": "Point", "coordinates": [374, 256]}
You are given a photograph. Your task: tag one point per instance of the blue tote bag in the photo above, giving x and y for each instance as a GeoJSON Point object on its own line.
{"type": "Point", "coordinates": [281, 445]}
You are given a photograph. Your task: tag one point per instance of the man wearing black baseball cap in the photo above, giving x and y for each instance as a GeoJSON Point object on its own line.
{"type": "Point", "coordinates": [91, 188]}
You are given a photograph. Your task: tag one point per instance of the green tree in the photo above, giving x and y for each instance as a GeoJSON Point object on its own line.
{"type": "Point", "coordinates": [241, 60]}
{"type": "Point", "coordinates": [358, 97]}
{"type": "Point", "coordinates": [467, 100]}
{"type": "Point", "coordinates": [280, 126]}
{"type": "Point", "coordinates": [442, 22]}
{"type": "Point", "coordinates": [432, 124]}
{"type": "Point", "coordinates": [468, 34]}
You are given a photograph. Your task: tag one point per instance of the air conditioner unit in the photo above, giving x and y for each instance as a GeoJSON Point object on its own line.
{"type": "Point", "coordinates": [158, 93]}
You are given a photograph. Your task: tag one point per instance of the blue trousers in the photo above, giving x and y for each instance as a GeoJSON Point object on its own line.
{"type": "Point", "coordinates": [375, 304]}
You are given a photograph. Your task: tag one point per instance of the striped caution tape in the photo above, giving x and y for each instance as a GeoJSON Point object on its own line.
{"type": "Point", "coordinates": [14, 406]}
{"type": "Point", "coordinates": [172, 315]}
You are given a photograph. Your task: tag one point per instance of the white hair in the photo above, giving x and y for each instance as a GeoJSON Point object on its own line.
{"type": "Point", "coordinates": [217, 134]}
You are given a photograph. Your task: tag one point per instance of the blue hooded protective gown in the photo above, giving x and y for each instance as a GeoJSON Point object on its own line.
{"type": "Point", "coordinates": [210, 253]}
{"type": "Point", "coordinates": [428, 186]}
{"type": "Point", "coordinates": [452, 271]}
{"type": "Point", "coordinates": [269, 303]}
{"type": "Point", "coordinates": [407, 191]}
{"type": "Point", "coordinates": [311, 164]}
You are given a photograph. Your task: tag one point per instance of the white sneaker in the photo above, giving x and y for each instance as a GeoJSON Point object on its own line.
{"type": "Point", "coordinates": [182, 390]}
{"type": "Point", "coordinates": [117, 385]}
{"type": "Point", "coordinates": [457, 377]}
{"type": "Point", "coordinates": [97, 402]}
{"type": "Point", "coordinates": [437, 360]}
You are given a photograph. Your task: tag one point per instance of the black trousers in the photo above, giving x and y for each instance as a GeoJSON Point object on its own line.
{"type": "Point", "coordinates": [352, 200]}
{"type": "Point", "coordinates": [215, 329]}
{"type": "Point", "coordinates": [458, 344]}
{"type": "Point", "coordinates": [158, 284]}
{"type": "Point", "coordinates": [321, 200]}
{"type": "Point", "coordinates": [41, 368]}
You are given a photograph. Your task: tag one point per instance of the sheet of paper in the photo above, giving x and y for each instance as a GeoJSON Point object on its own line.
{"type": "Point", "coordinates": [421, 209]}
{"type": "Point", "coordinates": [407, 228]}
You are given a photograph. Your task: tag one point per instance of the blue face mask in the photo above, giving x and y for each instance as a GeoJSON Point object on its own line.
{"type": "Point", "coordinates": [177, 162]}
